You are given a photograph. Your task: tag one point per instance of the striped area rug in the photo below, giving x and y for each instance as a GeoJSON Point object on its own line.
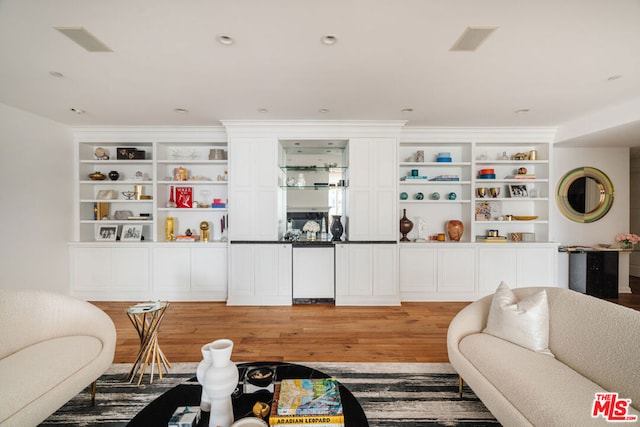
{"type": "Point", "coordinates": [391, 394]}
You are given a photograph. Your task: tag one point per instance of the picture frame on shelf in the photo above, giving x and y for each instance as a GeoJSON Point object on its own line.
{"type": "Point", "coordinates": [131, 233]}
{"type": "Point", "coordinates": [106, 195]}
{"type": "Point", "coordinates": [107, 233]}
{"type": "Point", "coordinates": [518, 190]}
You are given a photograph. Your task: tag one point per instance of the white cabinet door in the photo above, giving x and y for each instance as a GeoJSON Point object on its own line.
{"type": "Point", "coordinates": [520, 266]}
{"type": "Point", "coordinates": [171, 271]}
{"type": "Point", "coordinates": [385, 271]}
{"type": "Point", "coordinates": [537, 267]}
{"type": "Point", "coordinates": [418, 272]}
{"type": "Point", "coordinates": [253, 189]}
{"type": "Point", "coordinates": [265, 264]}
{"type": "Point", "coordinates": [91, 269]}
{"type": "Point", "coordinates": [130, 268]}
{"type": "Point", "coordinates": [367, 274]}
{"type": "Point", "coordinates": [313, 272]}
{"type": "Point", "coordinates": [285, 273]}
{"type": "Point", "coordinates": [342, 270]}
{"type": "Point", "coordinates": [456, 270]}
{"type": "Point", "coordinates": [110, 273]}
{"type": "Point", "coordinates": [260, 274]}
{"type": "Point", "coordinates": [360, 270]}
{"type": "Point", "coordinates": [384, 189]}
{"type": "Point", "coordinates": [371, 195]}
{"type": "Point", "coordinates": [240, 273]}
{"type": "Point", "coordinates": [359, 217]}
{"type": "Point", "coordinates": [496, 265]}
{"type": "Point", "coordinates": [190, 273]}
{"type": "Point", "coordinates": [209, 272]}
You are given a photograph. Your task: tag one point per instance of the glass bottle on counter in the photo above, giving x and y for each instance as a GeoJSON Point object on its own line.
{"type": "Point", "coordinates": [323, 230]}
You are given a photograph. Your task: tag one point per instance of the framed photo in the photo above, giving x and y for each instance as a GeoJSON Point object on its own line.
{"type": "Point", "coordinates": [107, 232]}
{"type": "Point", "coordinates": [131, 233]}
{"type": "Point", "coordinates": [518, 190]}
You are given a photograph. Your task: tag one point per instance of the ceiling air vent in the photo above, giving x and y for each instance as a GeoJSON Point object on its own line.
{"type": "Point", "coordinates": [472, 38]}
{"type": "Point", "coordinates": [84, 38]}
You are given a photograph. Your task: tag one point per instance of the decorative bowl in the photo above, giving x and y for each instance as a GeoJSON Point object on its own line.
{"type": "Point", "coordinates": [97, 176]}
{"type": "Point", "coordinates": [260, 377]}
{"type": "Point", "coordinates": [525, 217]}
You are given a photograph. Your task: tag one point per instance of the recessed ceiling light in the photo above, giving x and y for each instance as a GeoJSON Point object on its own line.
{"type": "Point", "coordinates": [472, 38]}
{"type": "Point", "coordinates": [262, 110]}
{"type": "Point", "coordinates": [323, 110]}
{"type": "Point", "coordinates": [329, 39]}
{"type": "Point", "coordinates": [614, 77]}
{"type": "Point", "coordinates": [225, 39]}
{"type": "Point", "coordinates": [180, 110]}
{"type": "Point", "coordinates": [522, 111]}
{"type": "Point", "coordinates": [407, 110]}
{"type": "Point", "coordinates": [77, 110]}
{"type": "Point", "coordinates": [56, 74]}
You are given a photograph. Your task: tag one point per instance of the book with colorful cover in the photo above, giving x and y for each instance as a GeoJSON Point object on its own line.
{"type": "Point", "coordinates": [276, 420]}
{"type": "Point", "coordinates": [302, 397]}
{"type": "Point", "coordinates": [184, 197]}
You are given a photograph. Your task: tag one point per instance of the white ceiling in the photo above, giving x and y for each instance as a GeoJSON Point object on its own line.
{"type": "Point", "coordinates": [553, 58]}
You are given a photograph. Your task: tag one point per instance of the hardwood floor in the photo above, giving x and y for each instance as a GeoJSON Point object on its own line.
{"type": "Point", "coordinates": [413, 332]}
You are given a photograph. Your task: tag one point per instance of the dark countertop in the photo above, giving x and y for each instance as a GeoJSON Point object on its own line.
{"type": "Point", "coordinates": [311, 242]}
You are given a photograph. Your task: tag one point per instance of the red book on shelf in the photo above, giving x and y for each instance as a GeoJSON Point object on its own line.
{"type": "Point", "coordinates": [184, 197]}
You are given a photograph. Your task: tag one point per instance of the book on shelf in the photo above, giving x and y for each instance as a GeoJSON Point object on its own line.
{"type": "Point", "coordinates": [493, 239]}
{"type": "Point", "coordinates": [334, 418]}
{"type": "Point", "coordinates": [184, 238]}
{"type": "Point", "coordinates": [184, 197]}
{"type": "Point", "coordinates": [446, 178]}
{"type": "Point", "coordinates": [411, 177]}
{"type": "Point", "coordinates": [524, 176]}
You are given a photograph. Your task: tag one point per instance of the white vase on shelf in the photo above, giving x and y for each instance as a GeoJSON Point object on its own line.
{"type": "Point", "coordinates": [219, 382]}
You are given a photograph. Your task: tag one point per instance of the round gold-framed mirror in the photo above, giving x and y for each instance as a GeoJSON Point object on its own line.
{"type": "Point", "coordinates": [585, 194]}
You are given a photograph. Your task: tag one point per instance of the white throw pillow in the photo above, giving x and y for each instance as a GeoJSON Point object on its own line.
{"type": "Point", "coordinates": [524, 322]}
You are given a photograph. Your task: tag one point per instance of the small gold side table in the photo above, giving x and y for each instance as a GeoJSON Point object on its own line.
{"type": "Point", "coordinates": [146, 318]}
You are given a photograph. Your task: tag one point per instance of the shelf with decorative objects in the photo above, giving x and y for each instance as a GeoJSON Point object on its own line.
{"type": "Point", "coordinates": [124, 188]}
{"type": "Point", "coordinates": [512, 192]}
{"type": "Point", "coordinates": [495, 183]}
{"type": "Point", "coordinates": [115, 191]}
{"type": "Point", "coordinates": [435, 186]}
{"type": "Point", "coordinates": [119, 251]}
{"type": "Point", "coordinates": [192, 191]}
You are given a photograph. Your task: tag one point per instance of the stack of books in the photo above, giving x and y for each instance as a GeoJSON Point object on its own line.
{"type": "Point", "coordinates": [219, 203]}
{"type": "Point", "coordinates": [446, 178]}
{"type": "Point", "coordinates": [307, 402]}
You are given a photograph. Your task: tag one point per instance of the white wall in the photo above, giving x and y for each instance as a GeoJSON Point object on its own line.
{"type": "Point", "coordinates": [36, 201]}
{"type": "Point", "coordinates": [614, 162]}
{"type": "Point", "coordinates": [634, 221]}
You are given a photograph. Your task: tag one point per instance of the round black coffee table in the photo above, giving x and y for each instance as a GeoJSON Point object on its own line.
{"type": "Point", "coordinates": [158, 412]}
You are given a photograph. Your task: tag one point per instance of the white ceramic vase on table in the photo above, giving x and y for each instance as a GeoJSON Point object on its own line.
{"type": "Point", "coordinates": [205, 402]}
{"type": "Point", "coordinates": [219, 381]}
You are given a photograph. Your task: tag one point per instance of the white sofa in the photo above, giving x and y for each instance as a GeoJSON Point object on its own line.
{"type": "Point", "coordinates": [52, 347]}
{"type": "Point", "coordinates": [596, 345]}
